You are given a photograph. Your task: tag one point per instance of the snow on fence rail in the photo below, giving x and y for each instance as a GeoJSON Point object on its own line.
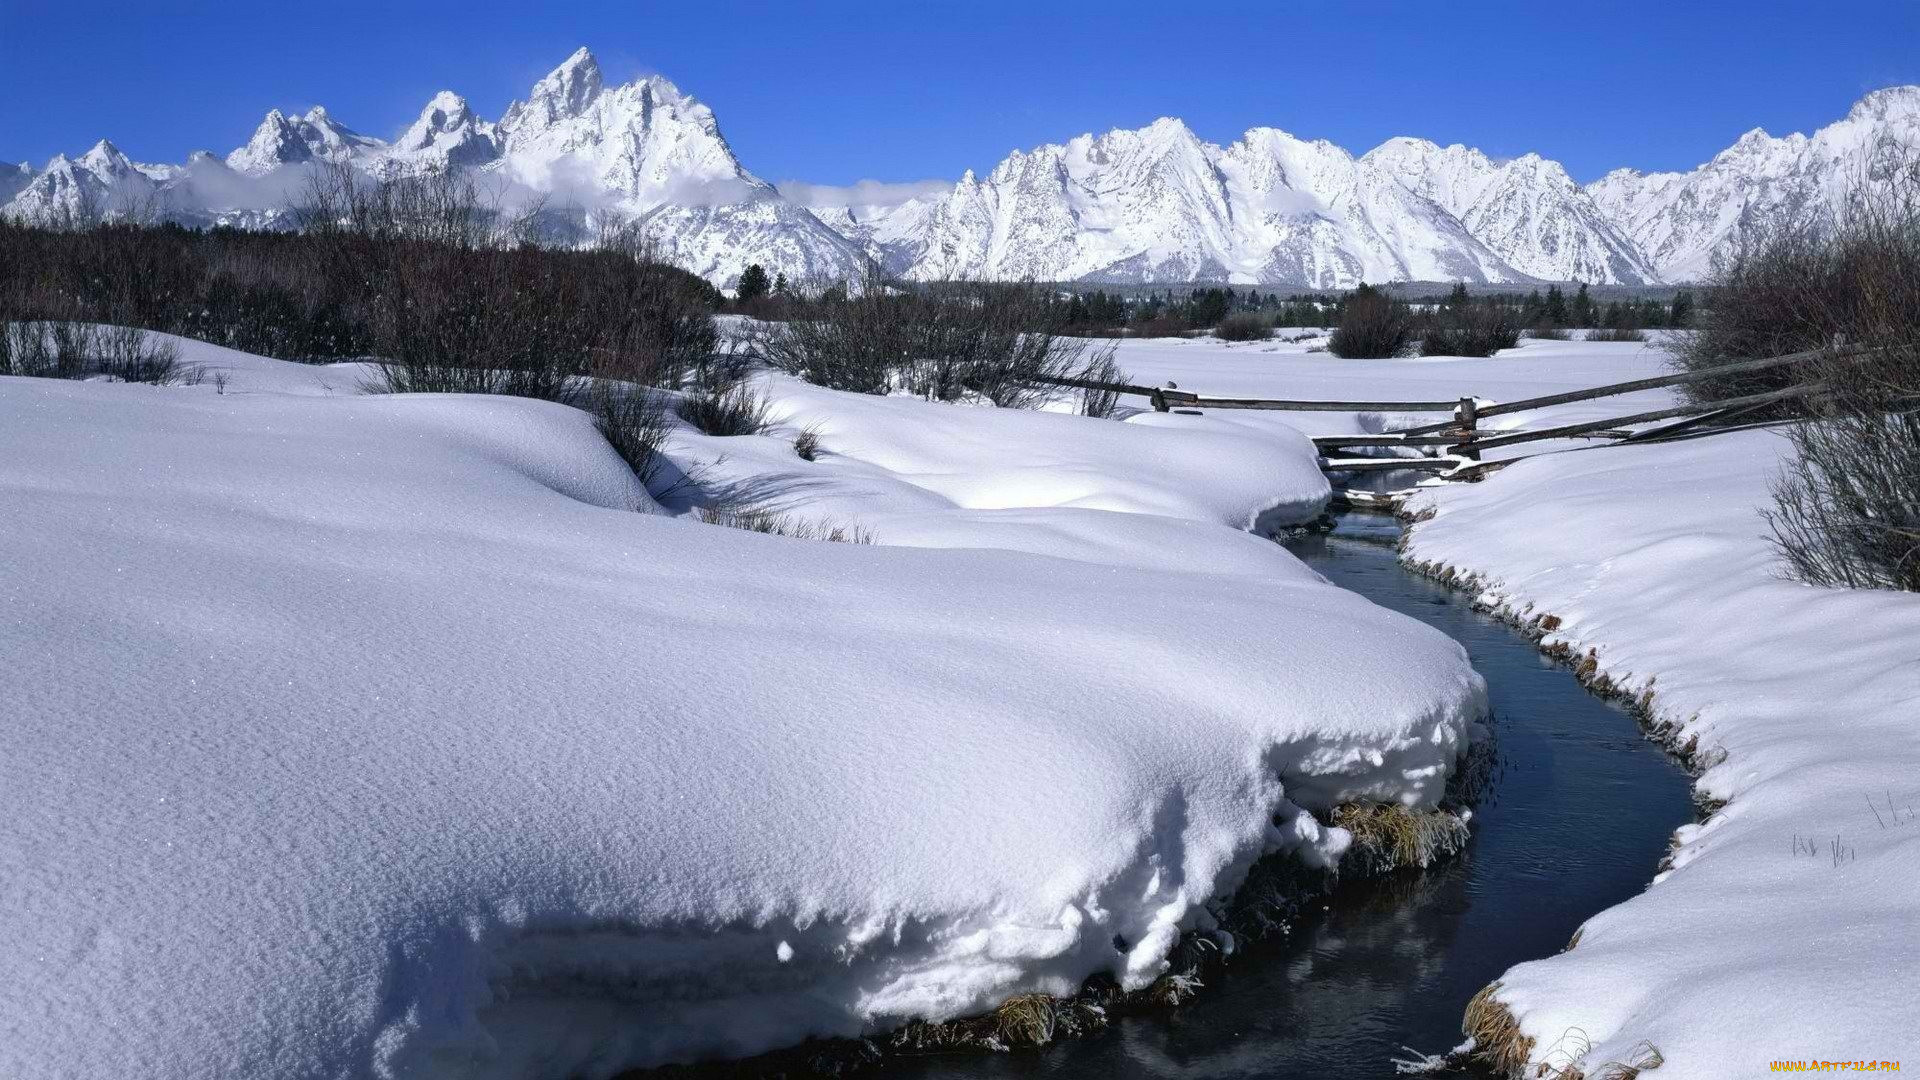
{"type": "Point", "coordinates": [1459, 437]}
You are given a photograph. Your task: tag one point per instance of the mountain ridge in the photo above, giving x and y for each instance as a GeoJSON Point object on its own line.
{"type": "Point", "coordinates": [1149, 205]}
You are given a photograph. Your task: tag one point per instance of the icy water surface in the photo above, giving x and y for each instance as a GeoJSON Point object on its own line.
{"type": "Point", "coordinates": [1576, 820]}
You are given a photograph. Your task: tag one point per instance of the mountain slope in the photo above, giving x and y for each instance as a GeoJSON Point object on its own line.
{"type": "Point", "coordinates": [1527, 210]}
{"type": "Point", "coordinates": [1151, 205]}
{"type": "Point", "coordinates": [1681, 221]}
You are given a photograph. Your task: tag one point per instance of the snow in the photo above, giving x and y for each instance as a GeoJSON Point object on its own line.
{"type": "Point", "coordinates": [1290, 370]}
{"type": "Point", "coordinates": [1151, 205]}
{"type": "Point", "coordinates": [1785, 928]}
{"type": "Point", "coordinates": [404, 736]}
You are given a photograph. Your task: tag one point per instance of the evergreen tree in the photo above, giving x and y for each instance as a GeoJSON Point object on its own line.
{"type": "Point", "coordinates": [1582, 310]}
{"type": "Point", "coordinates": [753, 284]}
{"type": "Point", "coordinates": [1556, 308]}
{"type": "Point", "coordinates": [1681, 314]}
{"type": "Point", "coordinates": [780, 286]}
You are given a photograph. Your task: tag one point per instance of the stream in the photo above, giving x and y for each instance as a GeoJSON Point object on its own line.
{"type": "Point", "coordinates": [1576, 819]}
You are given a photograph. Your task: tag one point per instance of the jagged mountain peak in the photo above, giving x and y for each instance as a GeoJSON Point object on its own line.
{"type": "Point", "coordinates": [563, 93]}
{"type": "Point", "coordinates": [446, 133]}
{"type": "Point", "coordinates": [287, 140]}
{"type": "Point", "coordinates": [1887, 103]}
{"type": "Point", "coordinates": [106, 159]}
{"type": "Point", "coordinates": [1155, 203]}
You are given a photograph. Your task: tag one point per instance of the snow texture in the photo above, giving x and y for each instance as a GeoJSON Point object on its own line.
{"type": "Point", "coordinates": [1785, 928]}
{"type": "Point", "coordinates": [404, 736]}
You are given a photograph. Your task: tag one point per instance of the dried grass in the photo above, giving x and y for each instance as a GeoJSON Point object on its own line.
{"type": "Point", "coordinates": [777, 524]}
{"type": "Point", "coordinates": [1388, 836]}
{"type": "Point", "coordinates": [1498, 1042]}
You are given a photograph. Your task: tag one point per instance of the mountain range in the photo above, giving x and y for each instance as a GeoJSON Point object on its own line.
{"type": "Point", "coordinates": [1153, 205]}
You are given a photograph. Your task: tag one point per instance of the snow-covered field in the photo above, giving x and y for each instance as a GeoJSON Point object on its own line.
{"type": "Point", "coordinates": [363, 735]}
{"type": "Point", "coordinates": [356, 735]}
{"type": "Point", "coordinates": [1789, 925]}
{"type": "Point", "coordinates": [1289, 369]}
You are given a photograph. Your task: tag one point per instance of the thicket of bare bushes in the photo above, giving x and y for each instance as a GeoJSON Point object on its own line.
{"type": "Point", "coordinates": [1464, 326]}
{"type": "Point", "coordinates": [1244, 326]}
{"type": "Point", "coordinates": [1847, 506]}
{"type": "Point", "coordinates": [1373, 326]}
{"type": "Point", "coordinates": [943, 341]}
{"type": "Point", "coordinates": [76, 350]}
{"type": "Point", "coordinates": [441, 288]}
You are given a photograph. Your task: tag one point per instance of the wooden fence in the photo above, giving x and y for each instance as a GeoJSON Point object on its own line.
{"type": "Point", "coordinates": [1460, 440]}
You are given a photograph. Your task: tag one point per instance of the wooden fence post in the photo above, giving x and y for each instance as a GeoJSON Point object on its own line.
{"type": "Point", "coordinates": [1468, 416]}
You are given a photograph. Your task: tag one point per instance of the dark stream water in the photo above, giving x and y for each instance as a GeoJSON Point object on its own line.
{"type": "Point", "coordinates": [1576, 820]}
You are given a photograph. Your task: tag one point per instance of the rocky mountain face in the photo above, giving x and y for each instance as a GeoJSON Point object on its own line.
{"type": "Point", "coordinates": [1153, 205]}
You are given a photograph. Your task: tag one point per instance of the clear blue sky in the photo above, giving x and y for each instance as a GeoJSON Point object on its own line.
{"type": "Point", "coordinates": [907, 90]}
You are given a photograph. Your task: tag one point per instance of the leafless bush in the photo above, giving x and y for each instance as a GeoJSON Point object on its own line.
{"type": "Point", "coordinates": [1244, 326]}
{"type": "Point", "coordinates": [1548, 332]}
{"type": "Point", "coordinates": [1800, 285]}
{"type": "Point", "coordinates": [806, 445]}
{"type": "Point", "coordinates": [1470, 329]}
{"type": "Point", "coordinates": [75, 350]}
{"type": "Point", "coordinates": [634, 422]}
{"type": "Point", "coordinates": [943, 341]}
{"type": "Point", "coordinates": [729, 408]}
{"type": "Point", "coordinates": [1617, 334]}
{"type": "Point", "coordinates": [1160, 327]}
{"type": "Point", "coordinates": [1847, 507]}
{"type": "Point", "coordinates": [1102, 403]}
{"type": "Point", "coordinates": [1372, 326]}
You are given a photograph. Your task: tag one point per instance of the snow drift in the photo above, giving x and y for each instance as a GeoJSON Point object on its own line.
{"type": "Point", "coordinates": [392, 736]}
{"type": "Point", "coordinates": [1783, 929]}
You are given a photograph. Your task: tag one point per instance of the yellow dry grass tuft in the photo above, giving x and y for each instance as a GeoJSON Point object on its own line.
{"type": "Point", "coordinates": [1497, 1040]}
{"type": "Point", "coordinates": [1026, 1020]}
{"type": "Point", "coordinates": [1388, 836]}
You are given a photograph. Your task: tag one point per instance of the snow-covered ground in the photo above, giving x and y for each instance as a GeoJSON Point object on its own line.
{"type": "Point", "coordinates": [1291, 370]}
{"type": "Point", "coordinates": [1788, 928]}
{"type": "Point", "coordinates": [356, 735]}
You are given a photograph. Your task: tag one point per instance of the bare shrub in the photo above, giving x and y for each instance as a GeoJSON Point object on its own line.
{"type": "Point", "coordinates": [1102, 368]}
{"type": "Point", "coordinates": [1244, 326]}
{"type": "Point", "coordinates": [132, 355]}
{"type": "Point", "coordinates": [729, 408]}
{"type": "Point", "coordinates": [1160, 326]}
{"type": "Point", "coordinates": [1372, 326]}
{"type": "Point", "coordinates": [1470, 329]}
{"type": "Point", "coordinates": [778, 524]}
{"type": "Point", "coordinates": [943, 341]}
{"type": "Point", "coordinates": [806, 445]}
{"type": "Point", "coordinates": [1549, 332]}
{"type": "Point", "coordinates": [1847, 507]}
{"type": "Point", "coordinates": [76, 350]}
{"type": "Point", "coordinates": [634, 421]}
{"type": "Point", "coordinates": [1617, 334]}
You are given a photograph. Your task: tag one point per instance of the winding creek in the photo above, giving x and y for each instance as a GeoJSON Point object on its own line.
{"type": "Point", "coordinates": [1576, 819]}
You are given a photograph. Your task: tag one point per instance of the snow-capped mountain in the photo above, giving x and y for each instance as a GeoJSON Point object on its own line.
{"type": "Point", "coordinates": [1527, 210]}
{"type": "Point", "coordinates": [101, 180]}
{"type": "Point", "coordinates": [1680, 221]}
{"type": "Point", "coordinates": [1161, 205]}
{"type": "Point", "coordinates": [648, 151]}
{"type": "Point", "coordinates": [295, 140]}
{"type": "Point", "coordinates": [1156, 204]}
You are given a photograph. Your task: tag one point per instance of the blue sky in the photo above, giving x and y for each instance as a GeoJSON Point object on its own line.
{"type": "Point", "coordinates": [836, 92]}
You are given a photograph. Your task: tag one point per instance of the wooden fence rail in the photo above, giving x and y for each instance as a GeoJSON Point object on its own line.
{"type": "Point", "coordinates": [1459, 438]}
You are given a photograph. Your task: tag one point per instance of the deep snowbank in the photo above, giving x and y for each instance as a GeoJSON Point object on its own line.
{"type": "Point", "coordinates": [1786, 928]}
{"type": "Point", "coordinates": [355, 736]}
